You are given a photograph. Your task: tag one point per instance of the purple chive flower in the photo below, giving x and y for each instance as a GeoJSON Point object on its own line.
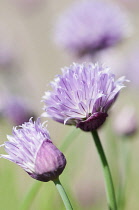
{"type": "Point", "coordinates": [82, 96]}
{"type": "Point", "coordinates": [31, 148]}
{"type": "Point", "coordinates": [88, 27]}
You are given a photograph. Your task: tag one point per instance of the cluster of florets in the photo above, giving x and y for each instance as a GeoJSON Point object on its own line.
{"type": "Point", "coordinates": [90, 26]}
{"type": "Point", "coordinates": [82, 96]}
{"type": "Point", "coordinates": [31, 148]}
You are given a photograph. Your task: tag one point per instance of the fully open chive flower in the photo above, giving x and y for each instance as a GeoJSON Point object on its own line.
{"type": "Point", "coordinates": [90, 26]}
{"type": "Point", "coordinates": [82, 95]}
{"type": "Point", "coordinates": [31, 148]}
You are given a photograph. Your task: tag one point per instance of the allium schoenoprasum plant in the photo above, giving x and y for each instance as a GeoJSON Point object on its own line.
{"type": "Point", "coordinates": [30, 147]}
{"type": "Point", "coordinates": [81, 96]}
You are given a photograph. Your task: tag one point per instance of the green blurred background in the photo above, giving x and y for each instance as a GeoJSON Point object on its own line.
{"type": "Point", "coordinates": [27, 30]}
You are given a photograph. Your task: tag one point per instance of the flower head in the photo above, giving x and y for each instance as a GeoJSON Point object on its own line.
{"type": "Point", "coordinates": [90, 26]}
{"type": "Point", "coordinates": [31, 148]}
{"type": "Point", "coordinates": [82, 96]}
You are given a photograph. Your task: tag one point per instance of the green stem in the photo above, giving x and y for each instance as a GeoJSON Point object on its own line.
{"type": "Point", "coordinates": [107, 174]}
{"type": "Point", "coordinates": [63, 194]}
{"type": "Point", "coordinates": [30, 195]}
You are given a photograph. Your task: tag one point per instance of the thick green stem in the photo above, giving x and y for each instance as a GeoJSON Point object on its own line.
{"type": "Point", "coordinates": [107, 174]}
{"type": "Point", "coordinates": [63, 194]}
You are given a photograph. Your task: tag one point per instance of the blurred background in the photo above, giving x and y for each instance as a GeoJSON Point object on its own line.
{"type": "Point", "coordinates": [29, 59]}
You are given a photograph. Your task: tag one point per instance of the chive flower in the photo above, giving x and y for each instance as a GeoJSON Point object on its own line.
{"type": "Point", "coordinates": [31, 148]}
{"type": "Point", "coordinates": [89, 26]}
{"type": "Point", "coordinates": [82, 95]}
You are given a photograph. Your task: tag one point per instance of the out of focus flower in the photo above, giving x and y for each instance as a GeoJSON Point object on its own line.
{"type": "Point", "coordinates": [112, 57]}
{"type": "Point", "coordinates": [82, 96]}
{"type": "Point", "coordinates": [8, 53]}
{"type": "Point", "coordinates": [125, 123]}
{"type": "Point", "coordinates": [16, 110]}
{"type": "Point", "coordinates": [31, 148]}
{"type": "Point", "coordinates": [88, 27]}
{"type": "Point", "coordinates": [132, 67]}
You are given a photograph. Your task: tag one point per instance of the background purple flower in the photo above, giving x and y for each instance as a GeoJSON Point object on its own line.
{"type": "Point", "coordinates": [31, 148]}
{"type": "Point", "coordinates": [7, 55]}
{"type": "Point", "coordinates": [88, 27]}
{"type": "Point", "coordinates": [125, 122]}
{"type": "Point", "coordinates": [132, 67]}
{"type": "Point", "coordinates": [82, 95]}
{"type": "Point", "coordinates": [16, 110]}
